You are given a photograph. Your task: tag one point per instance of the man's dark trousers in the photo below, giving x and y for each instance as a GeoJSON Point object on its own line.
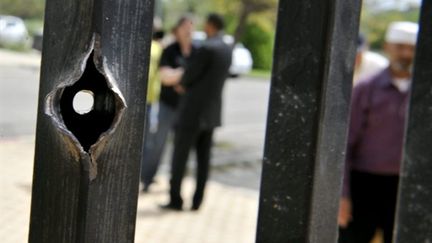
{"type": "Point", "coordinates": [183, 142]}
{"type": "Point", "coordinates": [373, 206]}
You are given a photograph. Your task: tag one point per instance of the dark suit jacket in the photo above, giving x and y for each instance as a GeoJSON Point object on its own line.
{"type": "Point", "coordinates": [203, 80]}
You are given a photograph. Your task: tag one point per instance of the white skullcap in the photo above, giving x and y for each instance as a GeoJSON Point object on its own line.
{"type": "Point", "coordinates": [402, 33]}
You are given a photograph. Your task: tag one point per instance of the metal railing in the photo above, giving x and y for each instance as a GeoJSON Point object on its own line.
{"type": "Point", "coordinates": [85, 189]}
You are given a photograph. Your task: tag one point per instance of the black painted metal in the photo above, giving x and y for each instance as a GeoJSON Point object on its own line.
{"type": "Point", "coordinates": [90, 194]}
{"type": "Point", "coordinates": [86, 190]}
{"type": "Point", "coordinates": [414, 214]}
{"type": "Point", "coordinates": [307, 120]}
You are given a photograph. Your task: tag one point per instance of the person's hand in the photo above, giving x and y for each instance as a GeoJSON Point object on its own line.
{"type": "Point", "coordinates": [179, 89]}
{"type": "Point", "coordinates": [344, 216]}
{"type": "Point", "coordinates": [170, 76]}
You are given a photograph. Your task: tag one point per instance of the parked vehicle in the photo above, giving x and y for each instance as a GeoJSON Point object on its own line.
{"type": "Point", "coordinates": [12, 30]}
{"type": "Point", "coordinates": [241, 56]}
{"type": "Point", "coordinates": [37, 41]}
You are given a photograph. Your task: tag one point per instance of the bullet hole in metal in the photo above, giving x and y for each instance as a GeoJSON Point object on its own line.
{"type": "Point", "coordinates": [83, 102]}
{"type": "Point", "coordinates": [88, 124]}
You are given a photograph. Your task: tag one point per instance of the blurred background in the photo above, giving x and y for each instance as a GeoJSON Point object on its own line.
{"type": "Point", "coordinates": [230, 210]}
{"type": "Point", "coordinates": [250, 22]}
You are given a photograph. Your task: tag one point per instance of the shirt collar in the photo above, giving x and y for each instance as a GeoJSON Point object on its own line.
{"type": "Point", "coordinates": [218, 35]}
{"type": "Point", "coordinates": [385, 79]}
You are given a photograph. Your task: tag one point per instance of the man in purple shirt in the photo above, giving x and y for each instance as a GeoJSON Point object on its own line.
{"type": "Point", "coordinates": [376, 133]}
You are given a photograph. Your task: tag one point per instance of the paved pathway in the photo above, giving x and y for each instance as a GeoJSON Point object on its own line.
{"type": "Point", "coordinates": [228, 213]}
{"type": "Point", "coordinates": [230, 209]}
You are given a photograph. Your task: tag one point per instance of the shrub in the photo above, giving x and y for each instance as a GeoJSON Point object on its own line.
{"type": "Point", "coordinates": [23, 8]}
{"type": "Point", "coordinates": [260, 43]}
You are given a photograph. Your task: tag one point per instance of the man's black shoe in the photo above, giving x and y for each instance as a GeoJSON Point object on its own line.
{"type": "Point", "coordinates": [170, 206]}
{"type": "Point", "coordinates": [146, 188]}
{"type": "Point", "coordinates": [196, 203]}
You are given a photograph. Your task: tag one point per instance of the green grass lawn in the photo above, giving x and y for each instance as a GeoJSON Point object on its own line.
{"type": "Point", "coordinates": [258, 73]}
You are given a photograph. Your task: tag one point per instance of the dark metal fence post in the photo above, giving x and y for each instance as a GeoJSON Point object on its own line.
{"type": "Point", "coordinates": [307, 120]}
{"type": "Point", "coordinates": [86, 173]}
{"type": "Point", "coordinates": [414, 214]}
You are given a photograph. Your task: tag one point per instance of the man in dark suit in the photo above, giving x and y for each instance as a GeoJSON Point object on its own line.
{"type": "Point", "coordinates": [200, 110]}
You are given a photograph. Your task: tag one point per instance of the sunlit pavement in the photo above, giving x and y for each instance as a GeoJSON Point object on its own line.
{"type": "Point", "coordinates": [227, 215]}
{"type": "Point", "coordinates": [230, 208]}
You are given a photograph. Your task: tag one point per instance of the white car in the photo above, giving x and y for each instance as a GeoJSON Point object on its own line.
{"type": "Point", "coordinates": [12, 30]}
{"type": "Point", "coordinates": [241, 57]}
{"type": "Point", "coordinates": [241, 60]}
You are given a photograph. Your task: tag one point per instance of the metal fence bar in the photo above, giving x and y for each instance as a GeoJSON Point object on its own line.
{"type": "Point", "coordinates": [414, 214]}
{"type": "Point", "coordinates": [307, 120]}
{"type": "Point", "coordinates": [86, 172]}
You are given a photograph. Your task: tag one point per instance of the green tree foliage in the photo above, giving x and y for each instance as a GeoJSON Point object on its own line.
{"type": "Point", "coordinates": [374, 25]}
{"type": "Point", "coordinates": [250, 7]}
{"type": "Point", "coordinates": [27, 9]}
{"type": "Point", "coordinates": [259, 40]}
{"type": "Point", "coordinates": [174, 9]}
{"type": "Point", "coordinates": [252, 22]}
{"type": "Point", "coordinates": [239, 12]}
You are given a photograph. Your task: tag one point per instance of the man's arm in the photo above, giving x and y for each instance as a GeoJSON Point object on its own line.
{"type": "Point", "coordinates": [358, 116]}
{"type": "Point", "coordinates": [170, 76]}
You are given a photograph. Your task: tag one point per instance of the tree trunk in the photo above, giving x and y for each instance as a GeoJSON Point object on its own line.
{"type": "Point", "coordinates": [241, 26]}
